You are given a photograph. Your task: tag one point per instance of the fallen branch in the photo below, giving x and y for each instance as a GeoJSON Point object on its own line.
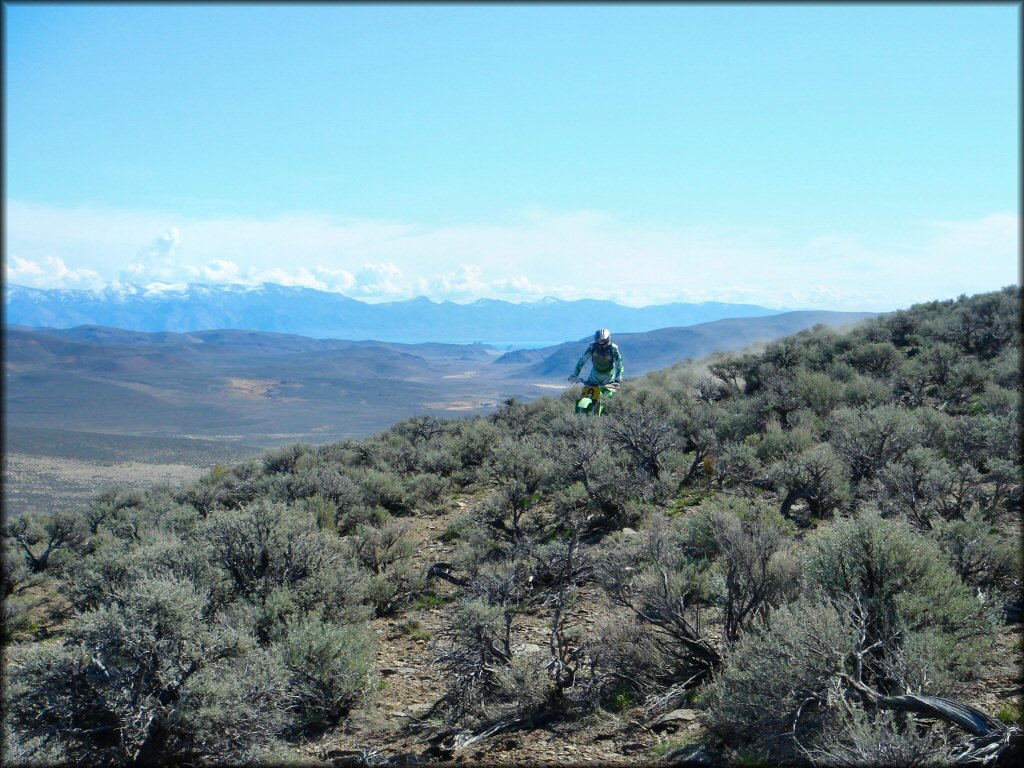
{"type": "Point", "coordinates": [999, 748]}
{"type": "Point", "coordinates": [447, 743]}
{"type": "Point", "coordinates": [444, 571]}
{"type": "Point", "coordinates": [993, 744]}
{"type": "Point", "coordinates": [972, 720]}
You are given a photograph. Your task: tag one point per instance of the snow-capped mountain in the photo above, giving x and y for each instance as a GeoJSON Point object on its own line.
{"type": "Point", "coordinates": [318, 314]}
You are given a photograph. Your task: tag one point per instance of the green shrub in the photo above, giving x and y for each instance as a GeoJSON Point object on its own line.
{"type": "Point", "coordinates": [619, 699]}
{"type": "Point", "coordinates": [457, 527]}
{"type": "Point", "coordinates": [110, 687]}
{"type": "Point", "coordinates": [428, 490]}
{"type": "Point", "coordinates": [378, 548]}
{"type": "Point", "coordinates": [479, 643]}
{"type": "Point", "coordinates": [738, 468]}
{"type": "Point", "coordinates": [868, 440]}
{"type": "Point", "coordinates": [40, 537]}
{"type": "Point", "coordinates": [779, 685]}
{"type": "Point", "coordinates": [757, 567]}
{"type": "Point", "coordinates": [385, 489]}
{"type": "Point", "coordinates": [1013, 715]}
{"type": "Point", "coordinates": [884, 738]}
{"type": "Point", "coordinates": [815, 475]}
{"type": "Point", "coordinates": [882, 609]}
{"type": "Point", "coordinates": [901, 587]}
{"type": "Point", "coordinates": [398, 587]}
{"type": "Point", "coordinates": [632, 663]}
{"type": "Point", "coordinates": [266, 546]}
{"type": "Point", "coordinates": [323, 479]}
{"type": "Point", "coordinates": [659, 579]}
{"type": "Point", "coordinates": [470, 446]}
{"type": "Point", "coordinates": [283, 459]}
{"type": "Point", "coordinates": [234, 710]}
{"type": "Point", "coordinates": [330, 667]}
{"type": "Point", "coordinates": [323, 510]}
{"type": "Point", "coordinates": [981, 554]}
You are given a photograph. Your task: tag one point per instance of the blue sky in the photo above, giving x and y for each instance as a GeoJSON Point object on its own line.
{"type": "Point", "coordinates": [799, 155]}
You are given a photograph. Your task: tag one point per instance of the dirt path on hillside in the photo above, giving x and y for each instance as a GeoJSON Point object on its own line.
{"type": "Point", "coordinates": [410, 684]}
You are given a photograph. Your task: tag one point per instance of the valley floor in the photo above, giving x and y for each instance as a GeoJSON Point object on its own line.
{"type": "Point", "coordinates": [46, 483]}
{"type": "Point", "coordinates": [46, 470]}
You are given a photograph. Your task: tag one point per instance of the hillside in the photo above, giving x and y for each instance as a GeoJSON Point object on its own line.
{"type": "Point", "coordinates": [803, 554]}
{"type": "Point", "coordinates": [307, 312]}
{"type": "Point", "coordinates": [270, 388]}
{"type": "Point", "coordinates": [228, 384]}
{"type": "Point", "coordinates": [663, 347]}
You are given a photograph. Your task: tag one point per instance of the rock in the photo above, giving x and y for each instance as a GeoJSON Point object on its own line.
{"type": "Point", "coordinates": [694, 754]}
{"type": "Point", "coordinates": [632, 747]}
{"type": "Point", "coordinates": [674, 719]}
{"type": "Point", "coordinates": [404, 758]}
{"type": "Point", "coordinates": [347, 758]}
{"type": "Point", "coordinates": [628, 532]}
{"type": "Point", "coordinates": [528, 648]}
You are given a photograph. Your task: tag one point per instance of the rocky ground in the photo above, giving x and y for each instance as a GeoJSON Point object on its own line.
{"type": "Point", "coordinates": [398, 725]}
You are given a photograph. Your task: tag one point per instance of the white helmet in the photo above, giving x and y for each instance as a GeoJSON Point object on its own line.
{"type": "Point", "coordinates": [603, 336]}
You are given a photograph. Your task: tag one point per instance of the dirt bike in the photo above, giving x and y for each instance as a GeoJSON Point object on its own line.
{"type": "Point", "coordinates": [591, 401]}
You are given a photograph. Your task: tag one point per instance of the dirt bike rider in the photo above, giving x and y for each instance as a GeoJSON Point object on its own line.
{"type": "Point", "coordinates": [607, 361]}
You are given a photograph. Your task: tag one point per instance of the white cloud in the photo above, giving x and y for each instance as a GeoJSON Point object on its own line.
{"type": "Point", "coordinates": [982, 248]}
{"type": "Point", "coordinates": [158, 261]}
{"type": "Point", "coordinates": [519, 286]}
{"type": "Point", "coordinates": [220, 271]}
{"type": "Point", "coordinates": [462, 284]}
{"type": "Point", "coordinates": [23, 270]}
{"type": "Point", "coordinates": [379, 281]}
{"type": "Point", "coordinates": [301, 277]}
{"type": "Point", "coordinates": [573, 254]}
{"type": "Point", "coordinates": [988, 233]}
{"type": "Point", "coordinates": [50, 272]}
{"type": "Point", "coordinates": [338, 280]}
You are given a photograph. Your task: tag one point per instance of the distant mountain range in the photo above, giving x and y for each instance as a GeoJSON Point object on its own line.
{"type": "Point", "coordinates": [319, 314]}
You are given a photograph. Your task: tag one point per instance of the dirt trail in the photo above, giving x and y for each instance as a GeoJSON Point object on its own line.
{"type": "Point", "coordinates": [410, 684]}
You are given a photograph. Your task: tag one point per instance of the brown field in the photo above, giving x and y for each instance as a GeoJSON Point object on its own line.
{"type": "Point", "coordinates": [47, 469]}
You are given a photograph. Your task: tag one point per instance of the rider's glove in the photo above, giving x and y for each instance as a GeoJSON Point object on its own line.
{"type": "Point", "coordinates": [574, 377]}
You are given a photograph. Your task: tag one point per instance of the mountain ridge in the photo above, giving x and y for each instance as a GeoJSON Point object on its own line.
{"type": "Point", "coordinates": [270, 307]}
{"type": "Point", "coordinates": [661, 347]}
